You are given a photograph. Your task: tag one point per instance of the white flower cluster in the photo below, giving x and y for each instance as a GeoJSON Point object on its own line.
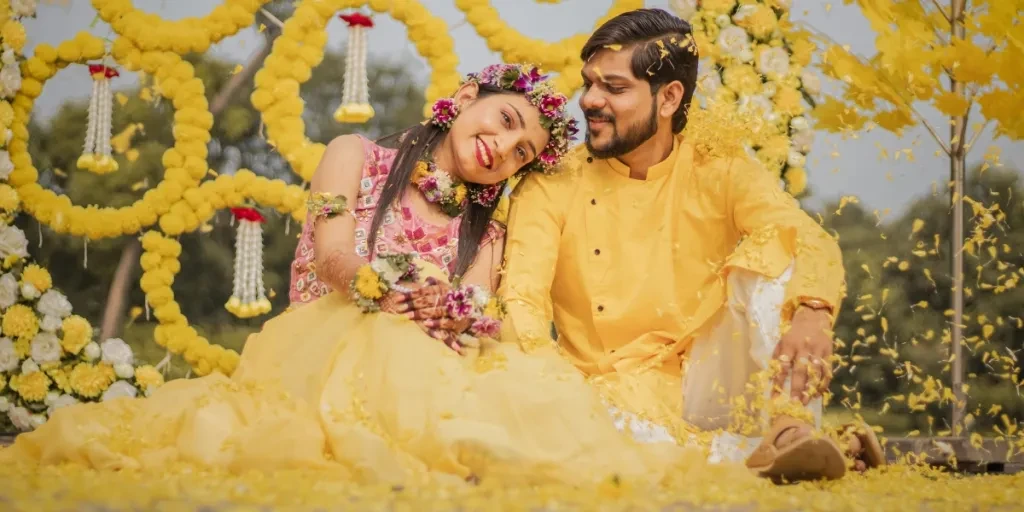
{"type": "Point", "coordinates": [749, 60]}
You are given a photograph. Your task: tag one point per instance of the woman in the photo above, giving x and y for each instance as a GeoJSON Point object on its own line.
{"type": "Point", "coordinates": [393, 377]}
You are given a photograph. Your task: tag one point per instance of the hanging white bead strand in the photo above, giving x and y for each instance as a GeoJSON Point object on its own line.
{"type": "Point", "coordinates": [355, 98]}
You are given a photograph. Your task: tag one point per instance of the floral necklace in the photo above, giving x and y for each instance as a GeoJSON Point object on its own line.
{"type": "Point", "coordinates": [439, 188]}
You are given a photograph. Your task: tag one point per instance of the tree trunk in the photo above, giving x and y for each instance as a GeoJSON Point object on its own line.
{"type": "Point", "coordinates": [957, 167]}
{"type": "Point", "coordinates": [120, 286]}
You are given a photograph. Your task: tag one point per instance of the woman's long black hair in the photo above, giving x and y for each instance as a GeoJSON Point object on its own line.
{"type": "Point", "coordinates": [418, 143]}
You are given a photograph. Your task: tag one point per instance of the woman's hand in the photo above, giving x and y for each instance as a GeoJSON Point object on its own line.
{"type": "Point", "coordinates": [425, 305]}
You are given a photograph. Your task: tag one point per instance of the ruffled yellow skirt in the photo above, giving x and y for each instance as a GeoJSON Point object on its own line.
{"type": "Point", "coordinates": [327, 387]}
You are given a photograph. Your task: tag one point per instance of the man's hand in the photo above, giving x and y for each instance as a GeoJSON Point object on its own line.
{"type": "Point", "coordinates": [804, 353]}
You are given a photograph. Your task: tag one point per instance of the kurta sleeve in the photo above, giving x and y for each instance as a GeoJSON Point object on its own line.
{"type": "Point", "coordinates": [531, 253]}
{"type": "Point", "coordinates": [778, 232]}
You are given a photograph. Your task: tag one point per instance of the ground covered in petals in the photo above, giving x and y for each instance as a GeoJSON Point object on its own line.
{"type": "Point", "coordinates": [895, 488]}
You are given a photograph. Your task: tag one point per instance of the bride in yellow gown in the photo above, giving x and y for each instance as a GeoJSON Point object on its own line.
{"type": "Point", "coordinates": [411, 391]}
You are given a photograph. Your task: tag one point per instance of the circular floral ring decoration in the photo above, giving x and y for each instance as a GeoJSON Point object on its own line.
{"type": "Point", "coordinates": [150, 32]}
{"type": "Point", "coordinates": [185, 162]}
{"type": "Point", "coordinates": [160, 260]}
{"type": "Point", "coordinates": [561, 56]}
{"type": "Point", "coordinates": [300, 48]}
{"type": "Point", "coordinates": [754, 58]}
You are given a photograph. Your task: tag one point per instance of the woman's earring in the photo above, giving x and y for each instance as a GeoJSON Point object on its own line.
{"type": "Point", "coordinates": [445, 110]}
{"type": "Point", "coordinates": [487, 195]}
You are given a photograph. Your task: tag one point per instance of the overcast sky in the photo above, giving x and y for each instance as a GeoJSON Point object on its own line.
{"type": "Point", "coordinates": [837, 167]}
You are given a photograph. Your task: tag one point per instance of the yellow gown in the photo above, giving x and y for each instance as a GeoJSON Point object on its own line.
{"type": "Point", "coordinates": [326, 386]}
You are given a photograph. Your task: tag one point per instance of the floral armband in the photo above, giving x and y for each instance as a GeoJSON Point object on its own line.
{"type": "Point", "coordinates": [385, 273]}
{"type": "Point", "coordinates": [324, 205]}
{"type": "Point", "coordinates": [483, 310]}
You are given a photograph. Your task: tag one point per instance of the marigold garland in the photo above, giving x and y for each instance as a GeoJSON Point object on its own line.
{"type": "Point", "coordinates": [185, 163]}
{"type": "Point", "coordinates": [151, 32]}
{"type": "Point", "coordinates": [301, 47]}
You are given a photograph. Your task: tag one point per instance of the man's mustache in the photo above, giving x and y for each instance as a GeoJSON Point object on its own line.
{"type": "Point", "coordinates": [597, 115]}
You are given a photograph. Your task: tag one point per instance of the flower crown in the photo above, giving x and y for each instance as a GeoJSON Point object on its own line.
{"type": "Point", "coordinates": [526, 79]}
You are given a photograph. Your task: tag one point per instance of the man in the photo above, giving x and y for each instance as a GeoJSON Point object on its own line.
{"type": "Point", "coordinates": [655, 261]}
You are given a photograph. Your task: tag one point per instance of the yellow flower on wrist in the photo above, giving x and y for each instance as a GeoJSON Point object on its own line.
{"type": "Point", "coordinates": [368, 283]}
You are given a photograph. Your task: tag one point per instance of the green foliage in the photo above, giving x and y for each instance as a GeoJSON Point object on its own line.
{"type": "Point", "coordinates": [894, 325]}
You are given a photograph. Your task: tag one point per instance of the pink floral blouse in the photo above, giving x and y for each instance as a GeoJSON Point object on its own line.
{"type": "Point", "coordinates": [400, 232]}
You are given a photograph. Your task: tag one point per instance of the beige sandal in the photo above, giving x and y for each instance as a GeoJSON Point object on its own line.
{"type": "Point", "coordinates": [872, 453]}
{"type": "Point", "coordinates": [813, 457]}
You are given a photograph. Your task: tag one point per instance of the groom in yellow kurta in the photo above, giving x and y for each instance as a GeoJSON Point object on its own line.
{"type": "Point", "coordinates": [631, 250]}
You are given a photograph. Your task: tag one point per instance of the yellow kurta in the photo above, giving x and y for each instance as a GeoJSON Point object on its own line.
{"type": "Point", "coordinates": [630, 270]}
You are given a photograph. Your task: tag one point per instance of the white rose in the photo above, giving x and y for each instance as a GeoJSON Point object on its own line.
{"type": "Point", "coordinates": [480, 297]}
{"type": "Point", "coordinates": [387, 271]}
{"type": "Point", "coordinates": [116, 351]}
{"type": "Point", "coordinates": [746, 55]}
{"type": "Point", "coordinates": [13, 242]}
{"type": "Point", "coordinates": [8, 57]}
{"type": "Point", "coordinates": [769, 89]}
{"type": "Point", "coordinates": [46, 348]}
{"type": "Point", "coordinates": [722, 20]}
{"type": "Point", "coordinates": [9, 359]}
{"type": "Point", "coordinates": [799, 124]}
{"type": "Point", "coordinates": [6, 165]}
{"type": "Point", "coordinates": [796, 159]}
{"type": "Point", "coordinates": [21, 418]}
{"type": "Point", "coordinates": [755, 103]}
{"type": "Point", "coordinates": [61, 401]}
{"type": "Point", "coordinates": [8, 291]}
{"type": "Point", "coordinates": [685, 9]}
{"type": "Point", "coordinates": [119, 389]}
{"type": "Point", "coordinates": [709, 82]}
{"type": "Point", "coordinates": [51, 397]}
{"type": "Point", "coordinates": [124, 371]}
{"type": "Point", "coordinates": [773, 61]}
{"type": "Point", "coordinates": [23, 7]}
{"type": "Point", "coordinates": [54, 303]}
{"type": "Point", "coordinates": [91, 351]}
{"type": "Point", "coordinates": [29, 291]}
{"type": "Point", "coordinates": [810, 82]}
{"type": "Point", "coordinates": [29, 366]}
{"type": "Point", "coordinates": [50, 323]}
{"type": "Point", "coordinates": [803, 140]}
{"type": "Point", "coordinates": [5, 404]}
{"type": "Point", "coordinates": [733, 40]}
{"type": "Point", "coordinates": [37, 420]}
{"type": "Point", "coordinates": [743, 12]}
{"type": "Point", "coordinates": [10, 81]}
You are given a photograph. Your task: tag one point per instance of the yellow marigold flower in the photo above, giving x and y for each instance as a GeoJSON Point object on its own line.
{"type": "Point", "coordinates": [3, 382]}
{"type": "Point", "coordinates": [13, 34]}
{"type": "Point", "coordinates": [368, 283]}
{"type": "Point", "coordinates": [77, 334]}
{"type": "Point", "coordinates": [23, 347]}
{"type": "Point", "coordinates": [147, 377]}
{"type": "Point", "coordinates": [38, 277]}
{"type": "Point", "coordinates": [60, 379]}
{"type": "Point", "coordinates": [21, 322]}
{"type": "Point", "coordinates": [460, 193]}
{"type": "Point", "coordinates": [718, 6]}
{"type": "Point", "coordinates": [9, 200]}
{"type": "Point", "coordinates": [31, 387]}
{"type": "Point", "coordinates": [11, 260]}
{"type": "Point", "coordinates": [760, 21]}
{"type": "Point", "coordinates": [6, 113]}
{"type": "Point", "coordinates": [802, 50]}
{"type": "Point", "coordinates": [492, 309]}
{"type": "Point", "coordinates": [90, 381]}
{"type": "Point", "coordinates": [796, 180]}
{"type": "Point", "coordinates": [788, 101]}
{"type": "Point", "coordinates": [742, 78]}
{"type": "Point", "coordinates": [420, 171]}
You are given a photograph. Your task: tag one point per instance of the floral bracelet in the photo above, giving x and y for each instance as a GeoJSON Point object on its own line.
{"type": "Point", "coordinates": [483, 310]}
{"type": "Point", "coordinates": [385, 273]}
{"type": "Point", "coordinates": [324, 205]}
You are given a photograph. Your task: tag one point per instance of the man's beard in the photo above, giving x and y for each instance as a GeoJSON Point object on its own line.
{"type": "Point", "coordinates": [635, 135]}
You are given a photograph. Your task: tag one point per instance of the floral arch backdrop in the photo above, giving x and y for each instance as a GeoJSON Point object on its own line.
{"type": "Point", "coordinates": [49, 357]}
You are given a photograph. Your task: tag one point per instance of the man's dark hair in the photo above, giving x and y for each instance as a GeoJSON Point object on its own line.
{"type": "Point", "coordinates": [642, 29]}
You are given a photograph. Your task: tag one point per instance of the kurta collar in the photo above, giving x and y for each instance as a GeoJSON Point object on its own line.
{"type": "Point", "coordinates": [656, 171]}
